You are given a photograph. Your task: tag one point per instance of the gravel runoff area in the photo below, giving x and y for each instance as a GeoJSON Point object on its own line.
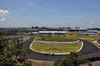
{"type": "Point", "coordinates": [88, 48]}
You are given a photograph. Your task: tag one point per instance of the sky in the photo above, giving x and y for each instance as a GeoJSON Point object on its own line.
{"type": "Point", "coordinates": [50, 13]}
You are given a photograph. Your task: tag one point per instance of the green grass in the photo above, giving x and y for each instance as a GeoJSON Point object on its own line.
{"type": "Point", "coordinates": [24, 38]}
{"type": "Point", "coordinates": [41, 63]}
{"type": "Point", "coordinates": [56, 47]}
{"type": "Point", "coordinates": [89, 38]}
{"type": "Point", "coordinates": [55, 38]}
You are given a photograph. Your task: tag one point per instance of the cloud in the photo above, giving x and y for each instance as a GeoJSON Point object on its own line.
{"type": "Point", "coordinates": [92, 23]}
{"type": "Point", "coordinates": [3, 14]}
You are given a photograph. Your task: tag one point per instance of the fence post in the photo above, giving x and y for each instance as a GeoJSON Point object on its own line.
{"type": "Point", "coordinates": [90, 57]}
{"type": "Point", "coordinates": [95, 57]}
{"type": "Point", "coordinates": [43, 63]}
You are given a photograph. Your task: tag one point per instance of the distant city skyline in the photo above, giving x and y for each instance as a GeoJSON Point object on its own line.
{"type": "Point", "coordinates": [50, 13]}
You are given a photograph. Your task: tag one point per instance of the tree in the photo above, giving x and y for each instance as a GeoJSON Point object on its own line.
{"type": "Point", "coordinates": [73, 59]}
{"type": "Point", "coordinates": [11, 52]}
{"type": "Point", "coordinates": [32, 27]}
{"type": "Point", "coordinates": [49, 35]}
{"type": "Point", "coordinates": [36, 27]}
{"type": "Point", "coordinates": [58, 62]}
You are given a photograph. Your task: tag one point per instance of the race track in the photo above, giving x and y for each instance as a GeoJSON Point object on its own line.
{"type": "Point", "coordinates": [88, 48]}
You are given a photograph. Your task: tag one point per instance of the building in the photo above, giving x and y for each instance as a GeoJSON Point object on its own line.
{"type": "Point", "coordinates": [75, 29]}
{"type": "Point", "coordinates": [52, 32]}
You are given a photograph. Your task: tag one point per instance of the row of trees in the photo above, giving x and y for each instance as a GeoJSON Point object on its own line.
{"type": "Point", "coordinates": [12, 54]}
{"type": "Point", "coordinates": [73, 59]}
{"type": "Point", "coordinates": [48, 28]}
{"type": "Point", "coordinates": [8, 32]}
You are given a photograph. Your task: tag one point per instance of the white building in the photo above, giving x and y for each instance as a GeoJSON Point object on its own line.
{"type": "Point", "coordinates": [52, 32]}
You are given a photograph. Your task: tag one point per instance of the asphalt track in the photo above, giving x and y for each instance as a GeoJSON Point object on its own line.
{"type": "Point", "coordinates": [88, 48]}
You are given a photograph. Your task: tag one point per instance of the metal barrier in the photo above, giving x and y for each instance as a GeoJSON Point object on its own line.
{"type": "Point", "coordinates": [93, 57]}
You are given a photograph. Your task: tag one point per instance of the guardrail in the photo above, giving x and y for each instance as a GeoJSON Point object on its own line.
{"type": "Point", "coordinates": [94, 55]}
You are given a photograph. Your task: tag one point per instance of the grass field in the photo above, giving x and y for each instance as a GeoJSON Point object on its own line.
{"type": "Point", "coordinates": [55, 38]}
{"type": "Point", "coordinates": [42, 63]}
{"type": "Point", "coordinates": [56, 47]}
{"type": "Point", "coordinates": [39, 63]}
{"type": "Point", "coordinates": [86, 37]}
{"type": "Point", "coordinates": [24, 38]}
